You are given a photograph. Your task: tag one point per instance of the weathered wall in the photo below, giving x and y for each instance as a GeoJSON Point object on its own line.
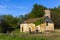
{"type": "Point", "coordinates": [32, 27]}
{"type": "Point", "coordinates": [25, 28]}
{"type": "Point", "coordinates": [41, 28]}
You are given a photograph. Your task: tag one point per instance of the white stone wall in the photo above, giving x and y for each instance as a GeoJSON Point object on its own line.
{"type": "Point", "coordinates": [41, 28]}
{"type": "Point", "coordinates": [50, 27]}
{"type": "Point", "coordinates": [38, 27]}
{"type": "Point", "coordinates": [25, 27]}
{"type": "Point", "coordinates": [32, 27]}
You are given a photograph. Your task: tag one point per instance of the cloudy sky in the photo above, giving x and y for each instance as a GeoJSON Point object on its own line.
{"type": "Point", "coordinates": [21, 7]}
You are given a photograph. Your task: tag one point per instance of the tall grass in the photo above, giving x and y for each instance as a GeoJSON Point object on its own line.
{"type": "Point", "coordinates": [20, 37]}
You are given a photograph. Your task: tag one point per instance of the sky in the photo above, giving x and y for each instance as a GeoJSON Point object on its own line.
{"type": "Point", "coordinates": [21, 7]}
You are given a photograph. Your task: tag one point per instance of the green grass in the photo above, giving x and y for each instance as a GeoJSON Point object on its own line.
{"type": "Point", "coordinates": [39, 21]}
{"type": "Point", "coordinates": [16, 35]}
{"type": "Point", "coordinates": [30, 37]}
{"type": "Point", "coordinates": [20, 37]}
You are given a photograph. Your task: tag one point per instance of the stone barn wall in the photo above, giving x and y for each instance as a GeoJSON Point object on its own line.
{"type": "Point", "coordinates": [41, 28]}
{"type": "Point", "coordinates": [24, 28]}
{"type": "Point", "coordinates": [50, 27]}
{"type": "Point", "coordinates": [27, 27]}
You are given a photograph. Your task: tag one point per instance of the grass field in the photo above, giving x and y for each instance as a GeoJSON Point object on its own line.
{"type": "Point", "coordinates": [23, 36]}
{"type": "Point", "coordinates": [30, 37]}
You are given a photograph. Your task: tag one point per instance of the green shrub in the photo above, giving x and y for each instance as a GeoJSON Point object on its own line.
{"type": "Point", "coordinates": [39, 21]}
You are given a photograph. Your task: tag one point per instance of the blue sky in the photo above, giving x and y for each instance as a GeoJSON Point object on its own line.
{"type": "Point", "coordinates": [21, 7]}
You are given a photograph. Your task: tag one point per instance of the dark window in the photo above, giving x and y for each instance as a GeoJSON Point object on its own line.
{"type": "Point", "coordinates": [22, 29]}
{"type": "Point", "coordinates": [29, 30]}
{"type": "Point", "coordinates": [47, 23]}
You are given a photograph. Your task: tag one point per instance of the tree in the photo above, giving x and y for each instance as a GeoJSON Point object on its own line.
{"type": "Point", "coordinates": [8, 23]}
{"type": "Point", "coordinates": [37, 11]}
{"type": "Point", "coordinates": [55, 15]}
